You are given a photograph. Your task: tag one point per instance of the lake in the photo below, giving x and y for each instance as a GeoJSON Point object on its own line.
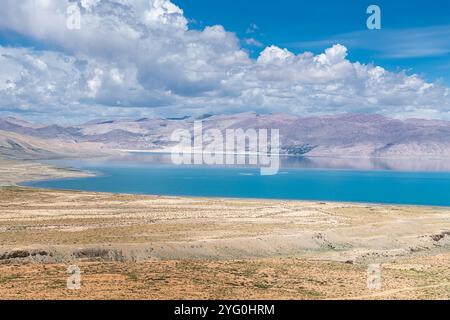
{"type": "Point", "coordinates": [416, 182]}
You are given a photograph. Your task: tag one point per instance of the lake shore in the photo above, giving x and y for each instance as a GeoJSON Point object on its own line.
{"type": "Point", "coordinates": [13, 172]}
{"type": "Point", "coordinates": [158, 247]}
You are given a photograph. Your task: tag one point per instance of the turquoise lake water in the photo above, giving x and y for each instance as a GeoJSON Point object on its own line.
{"type": "Point", "coordinates": [301, 179]}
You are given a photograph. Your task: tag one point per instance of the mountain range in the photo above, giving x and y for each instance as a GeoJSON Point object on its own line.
{"type": "Point", "coordinates": [347, 135]}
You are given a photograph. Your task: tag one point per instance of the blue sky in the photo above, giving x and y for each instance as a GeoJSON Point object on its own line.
{"type": "Point", "coordinates": [297, 24]}
{"type": "Point", "coordinates": [136, 58]}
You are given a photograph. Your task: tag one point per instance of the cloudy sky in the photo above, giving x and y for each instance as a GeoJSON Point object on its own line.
{"type": "Point", "coordinates": [134, 58]}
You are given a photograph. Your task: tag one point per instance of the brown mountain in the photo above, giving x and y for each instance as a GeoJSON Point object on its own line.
{"type": "Point", "coordinates": [349, 135]}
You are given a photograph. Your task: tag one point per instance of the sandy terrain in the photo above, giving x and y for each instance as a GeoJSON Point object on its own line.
{"type": "Point", "coordinates": [143, 247]}
{"type": "Point", "coordinates": [275, 278]}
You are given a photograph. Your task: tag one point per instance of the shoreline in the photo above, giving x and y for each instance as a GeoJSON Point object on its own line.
{"type": "Point", "coordinates": [276, 249]}
{"type": "Point", "coordinates": [46, 172]}
{"type": "Point", "coordinates": [14, 172]}
{"type": "Point", "coordinates": [305, 228]}
{"type": "Point", "coordinates": [275, 200]}
{"type": "Point", "coordinates": [35, 171]}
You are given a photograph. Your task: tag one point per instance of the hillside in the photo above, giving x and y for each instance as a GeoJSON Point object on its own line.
{"type": "Point", "coordinates": [346, 135]}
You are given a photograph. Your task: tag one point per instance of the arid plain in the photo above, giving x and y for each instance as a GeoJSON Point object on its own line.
{"type": "Point", "coordinates": [156, 247]}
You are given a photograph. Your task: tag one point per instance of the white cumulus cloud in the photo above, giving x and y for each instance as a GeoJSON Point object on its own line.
{"type": "Point", "coordinates": [136, 57]}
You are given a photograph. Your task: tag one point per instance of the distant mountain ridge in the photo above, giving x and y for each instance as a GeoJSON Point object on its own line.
{"type": "Point", "coordinates": [348, 135]}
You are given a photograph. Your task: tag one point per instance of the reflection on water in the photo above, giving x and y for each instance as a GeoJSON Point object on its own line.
{"type": "Point", "coordinates": [369, 164]}
{"type": "Point", "coordinates": [291, 162]}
